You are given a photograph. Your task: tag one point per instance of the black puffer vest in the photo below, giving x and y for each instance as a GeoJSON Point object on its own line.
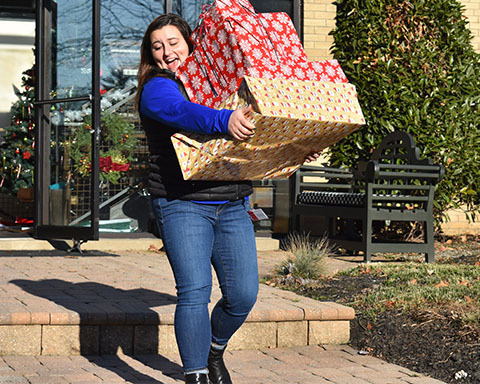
{"type": "Point", "coordinates": [165, 177]}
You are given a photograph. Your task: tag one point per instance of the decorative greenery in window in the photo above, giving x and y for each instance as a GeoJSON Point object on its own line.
{"type": "Point", "coordinates": [117, 143]}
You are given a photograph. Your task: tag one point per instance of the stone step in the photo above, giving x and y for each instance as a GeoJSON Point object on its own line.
{"type": "Point", "coordinates": [279, 319]}
{"type": "Point", "coordinates": [107, 303]}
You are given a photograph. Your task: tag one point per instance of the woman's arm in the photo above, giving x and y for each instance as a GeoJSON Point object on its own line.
{"type": "Point", "coordinates": [162, 101]}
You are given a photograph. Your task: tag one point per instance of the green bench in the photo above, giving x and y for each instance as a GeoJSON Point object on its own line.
{"type": "Point", "coordinates": [395, 185]}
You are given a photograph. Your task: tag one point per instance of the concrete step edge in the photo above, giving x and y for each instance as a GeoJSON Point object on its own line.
{"type": "Point", "coordinates": [322, 311]}
{"type": "Point", "coordinates": [68, 340]}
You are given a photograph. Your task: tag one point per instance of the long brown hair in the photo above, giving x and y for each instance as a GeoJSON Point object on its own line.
{"type": "Point", "coordinates": [147, 67]}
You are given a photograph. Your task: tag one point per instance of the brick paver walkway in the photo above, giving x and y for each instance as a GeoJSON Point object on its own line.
{"type": "Point", "coordinates": [299, 365]}
{"type": "Point", "coordinates": [43, 289]}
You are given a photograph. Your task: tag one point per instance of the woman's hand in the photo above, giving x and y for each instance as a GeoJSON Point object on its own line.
{"type": "Point", "coordinates": [239, 126]}
{"type": "Point", "coordinates": [312, 157]}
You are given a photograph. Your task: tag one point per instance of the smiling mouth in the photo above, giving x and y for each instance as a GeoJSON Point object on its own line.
{"type": "Point", "coordinates": [171, 62]}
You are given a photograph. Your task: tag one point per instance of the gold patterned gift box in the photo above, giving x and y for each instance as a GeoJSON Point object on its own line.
{"type": "Point", "coordinates": [293, 118]}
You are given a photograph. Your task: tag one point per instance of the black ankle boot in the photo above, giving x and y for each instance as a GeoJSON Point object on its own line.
{"type": "Point", "coordinates": [196, 378]}
{"type": "Point", "coordinates": [217, 372]}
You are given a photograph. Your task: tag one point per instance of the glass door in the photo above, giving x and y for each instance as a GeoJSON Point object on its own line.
{"type": "Point", "coordinates": [67, 97]}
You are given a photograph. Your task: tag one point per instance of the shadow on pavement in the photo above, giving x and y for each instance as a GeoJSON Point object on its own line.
{"type": "Point", "coordinates": [107, 316]}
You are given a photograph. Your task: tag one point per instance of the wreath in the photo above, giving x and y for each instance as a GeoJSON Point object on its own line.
{"type": "Point", "coordinates": [117, 143]}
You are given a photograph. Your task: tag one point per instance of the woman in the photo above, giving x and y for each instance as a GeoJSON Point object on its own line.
{"type": "Point", "coordinates": [202, 223]}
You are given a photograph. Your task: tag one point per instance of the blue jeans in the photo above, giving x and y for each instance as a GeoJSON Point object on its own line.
{"type": "Point", "coordinates": [195, 237]}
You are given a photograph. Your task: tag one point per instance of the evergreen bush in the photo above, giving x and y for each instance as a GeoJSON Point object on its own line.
{"type": "Point", "coordinates": [415, 70]}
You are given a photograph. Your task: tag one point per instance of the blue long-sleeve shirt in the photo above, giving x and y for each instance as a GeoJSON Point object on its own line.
{"type": "Point", "coordinates": [162, 101]}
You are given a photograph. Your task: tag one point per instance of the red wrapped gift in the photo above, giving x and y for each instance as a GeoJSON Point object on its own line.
{"type": "Point", "coordinates": [233, 41]}
{"type": "Point", "coordinates": [294, 61]}
{"type": "Point", "coordinates": [284, 37]}
{"type": "Point", "coordinates": [229, 40]}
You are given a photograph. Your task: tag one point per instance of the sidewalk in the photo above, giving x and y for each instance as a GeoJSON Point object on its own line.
{"type": "Point", "coordinates": [296, 365]}
{"type": "Point", "coordinates": [55, 305]}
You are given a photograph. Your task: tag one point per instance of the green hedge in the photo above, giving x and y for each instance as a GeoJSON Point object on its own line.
{"type": "Point", "coordinates": [415, 70]}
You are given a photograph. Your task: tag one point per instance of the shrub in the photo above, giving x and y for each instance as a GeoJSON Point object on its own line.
{"type": "Point", "coordinates": [415, 70]}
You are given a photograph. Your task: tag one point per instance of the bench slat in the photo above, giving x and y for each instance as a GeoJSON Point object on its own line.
{"type": "Point", "coordinates": [411, 187]}
{"type": "Point", "coordinates": [397, 198]}
{"type": "Point", "coordinates": [406, 175]}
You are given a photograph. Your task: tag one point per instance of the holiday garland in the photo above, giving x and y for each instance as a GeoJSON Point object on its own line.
{"type": "Point", "coordinates": [117, 143]}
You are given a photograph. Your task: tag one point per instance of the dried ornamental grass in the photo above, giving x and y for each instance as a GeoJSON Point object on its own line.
{"type": "Point", "coordinates": [306, 260]}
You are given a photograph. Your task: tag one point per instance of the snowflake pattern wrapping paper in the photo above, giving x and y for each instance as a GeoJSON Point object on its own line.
{"type": "Point", "coordinates": [293, 118]}
{"type": "Point", "coordinates": [232, 41]}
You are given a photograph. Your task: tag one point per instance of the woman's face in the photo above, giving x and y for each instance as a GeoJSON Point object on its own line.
{"type": "Point", "coordinates": [169, 48]}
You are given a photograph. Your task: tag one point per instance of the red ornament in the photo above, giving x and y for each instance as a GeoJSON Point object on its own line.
{"type": "Point", "coordinates": [17, 151]}
{"type": "Point", "coordinates": [27, 155]}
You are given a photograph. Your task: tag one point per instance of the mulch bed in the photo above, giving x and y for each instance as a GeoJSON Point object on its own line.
{"type": "Point", "coordinates": [433, 342]}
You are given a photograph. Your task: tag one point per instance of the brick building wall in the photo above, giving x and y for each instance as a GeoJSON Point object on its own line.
{"type": "Point", "coordinates": [319, 20]}
{"type": "Point", "coordinates": [472, 11]}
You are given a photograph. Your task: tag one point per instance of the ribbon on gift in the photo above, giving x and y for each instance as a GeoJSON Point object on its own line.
{"type": "Point", "coordinates": [238, 19]}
